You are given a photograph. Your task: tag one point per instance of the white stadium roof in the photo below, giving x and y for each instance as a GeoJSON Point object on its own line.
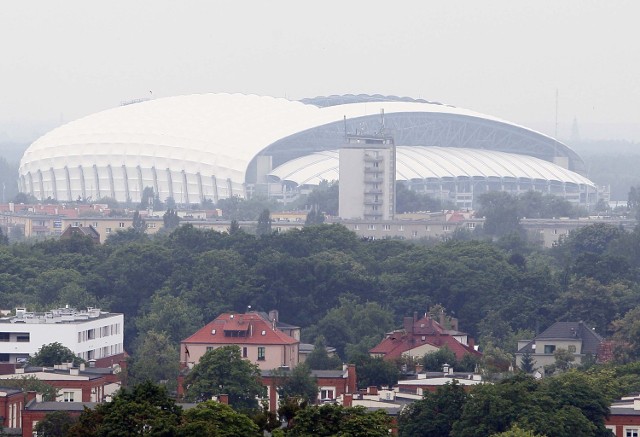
{"type": "Point", "coordinates": [202, 146]}
{"type": "Point", "coordinates": [414, 163]}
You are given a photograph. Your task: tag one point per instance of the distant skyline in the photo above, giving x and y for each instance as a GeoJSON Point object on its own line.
{"type": "Point", "coordinates": [62, 60]}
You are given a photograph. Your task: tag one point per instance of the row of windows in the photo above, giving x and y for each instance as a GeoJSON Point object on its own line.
{"type": "Point", "coordinates": [372, 227]}
{"type": "Point", "coordinates": [245, 352]}
{"type": "Point", "coordinates": [104, 331]}
{"type": "Point", "coordinates": [101, 352]}
{"type": "Point", "coordinates": [20, 337]}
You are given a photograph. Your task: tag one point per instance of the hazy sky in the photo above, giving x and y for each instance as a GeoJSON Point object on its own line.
{"type": "Point", "coordinates": [61, 60]}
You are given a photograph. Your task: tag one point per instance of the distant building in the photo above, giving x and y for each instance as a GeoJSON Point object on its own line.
{"type": "Point", "coordinates": [574, 337]}
{"type": "Point", "coordinates": [624, 418]}
{"type": "Point", "coordinates": [368, 178]}
{"type": "Point", "coordinates": [84, 231]}
{"type": "Point", "coordinates": [262, 339]}
{"type": "Point", "coordinates": [91, 334]}
{"type": "Point", "coordinates": [421, 336]}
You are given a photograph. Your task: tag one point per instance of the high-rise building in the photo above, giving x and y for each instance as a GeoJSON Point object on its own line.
{"type": "Point", "coordinates": [367, 178]}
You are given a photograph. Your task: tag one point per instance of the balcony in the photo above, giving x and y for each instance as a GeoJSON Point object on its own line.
{"type": "Point", "coordinates": [373, 170]}
{"type": "Point", "coordinates": [371, 158]}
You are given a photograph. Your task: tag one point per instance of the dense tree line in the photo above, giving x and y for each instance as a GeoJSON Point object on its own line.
{"type": "Point", "coordinates": [334, 284]}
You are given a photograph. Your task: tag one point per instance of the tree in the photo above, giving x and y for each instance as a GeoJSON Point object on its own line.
{"type": "Point", "coordinates": [314, 217]}
{"type": "Point", "coordinates": [234, 227]}
{"type": "Point", "coordinates": [170, 219]}
{"type": "Point", "coordinates": [224, 371]}
{"type": "Point", "coordinates": [297, 383]}
{"type": "Point", "coordinates": [56, 424]}
{"type": "Point", "coordinates": [31, 383]}
{"type": "Point", "coordinates": [336, 420]}
{"type": "Point", "coordinates": [4, 240]}
{"type": "Point", "coordinates": [375, 371]}
{"type": "Point", "coordinates": [176, 317]}
{"type": "Point", "coordinates": [516, 431]}
{"type": "Point", "coordinates": [433, 361]}
{"type": "Point", "coordinates": [527, 363]}
{"type": "Point", "coordinates": [154, 359]}
{"type": "Point", "coordinates": [138, 224]}
{"type": "Point", "coordinates": [500, 210]}
{"type": "Point", "coordinates": [212, 418]}
{"type": "Point", "coordinates": [264, 223]}
{"type": "Point", "coordinates": [319, 359]}
{"type": "Point", "coordinates": [435, 414]}
{"type": "Point", "coordinates": [144, 410]}
{"type": "Point", "coordinates": [52, 354]}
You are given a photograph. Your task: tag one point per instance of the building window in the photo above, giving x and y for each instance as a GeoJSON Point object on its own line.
{"type": "Point", "coordinates": [571, 348]}
{"type": "Point", "coordinates": [91, 334]}
{"type": "Point", "coordinates": [209, 348]}
{"type": "Point", "coordinates": [121, 225]}
{"type": "Point", "coordinates": [632, 432]}
{"type": "Point", "coordinates": [414, 233]}
{"type": "Point", "coordinates": [326, 394]}
{"type": "Point", "coordinates": [4, 358]}
{"type": "Point", "coordinates": [107, 231]}
{"type": "Point", "coordinates": [549, 348]}
{"type": "Point", "coordinates": [67, 396]}
{"type": "Point", "coordinates": [356, 227]}
{"type": "Point", "coordinates": [4, 336]}
{"type": "Point", "coordinates": [261, 356]}
{"type": "Point", "coordinates": [371, 227]}
{"type": "Point", "coordinates": [401, 227]}
{"type": "Point", "coordinates": [471, 225]}
{"type": "Point", "coordinates": [244, 352]}
{"type": "Point", "coordinates": [445, 228]}
{"type": "Point", "coordinates": [23, 338]}
{"type": "Point", "coordinates": [387, 227]}
{"type": "Point", "coordinates": [95, 224]}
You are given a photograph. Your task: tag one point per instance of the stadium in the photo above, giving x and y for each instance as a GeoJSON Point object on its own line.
{"type": "Point", "coordinates": [214, 146]}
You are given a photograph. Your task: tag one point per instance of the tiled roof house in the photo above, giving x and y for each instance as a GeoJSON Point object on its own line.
{"type": "Point", "coordinates": [257, 334]}
{"type": "Point", "coordinates": [421, 336]}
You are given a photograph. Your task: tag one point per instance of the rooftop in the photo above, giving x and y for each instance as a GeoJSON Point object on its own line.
{"type": "Point", "coordinates": [59, 315]}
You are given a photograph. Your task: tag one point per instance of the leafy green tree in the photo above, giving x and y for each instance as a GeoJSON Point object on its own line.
{"type": "Point", "coordinates": [56, 424]}
{"type": "Point", "coordinates": [627, 336]}
{"type": "Point", "coordinates": [334, 420]}
{"type": "Point", "coordinates": [147, 198]}
{"type": "Point", "coordinates": [375, 371]}
{"type": "Point", "coordinates": [319, 359]}
{"type": "Point", "coordinates": [435, 414]}
{"type": "Point", "coordinates": [144, 410]}
{"type": "Point", "coordinates": [297, 383]}
{"type": "Point", "coordinates": [324, 198]}
{"type": "Point", "coordinates": [155, 359]}
{"type": "Point", "coordinates": [224, 371]}
{"type": "Point", "coordinates": [500, 210]}
{"type": "Point", "coordinates": [52, 354]}
{"type": "Point", "coordinates": [138, 224]}
{"type": "Point", "coordinates": [433, 361]}
{"type": "Point", "coordinates": [4, 240]}
{"type": "Point", "coordinates": [264, 223]}
{"type": "Point", "coordinates": [171, 219]}
{"type": "Point", "coordinates": [175, 317]}
{"type": "Point", "coordinates": [210, 418]}
{"type": "Point", "coordinates": [314, 217]}
{"type": "Point", "coordinates": [527, 363]}
{"type": "Point", "coordinates": [516, 431]}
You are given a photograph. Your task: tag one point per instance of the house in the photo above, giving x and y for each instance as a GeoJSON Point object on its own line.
{"type": "Point", "coordinates": [332, 384]}
{"type": "Point", "coordinates": [574, 337]}
{"type": "Point", "coordinates": [84, 231]}
{"type": "Point", "coordinates": [262, 338]}
{"type": "Point", "coordinates": [624, 418]}
{"type": "Point", "coordinates": [421, 336]}
{"type": "Point", "coordinates": [11, 402]}
{"type": "Point", "coordinates": [35, 411]}
{"type": "Point", "coordinates": [91, 335]}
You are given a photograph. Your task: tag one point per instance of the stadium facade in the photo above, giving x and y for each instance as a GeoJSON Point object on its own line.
{"type": "Point", "coordinates": [215, 146]}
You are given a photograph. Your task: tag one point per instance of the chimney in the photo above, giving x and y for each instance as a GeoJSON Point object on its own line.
{"type": "Point", "coordinates": [347, 400]}
{"type": "Point", "coordinates": [454, 324]}
{"type": "Point", "coordinates": [351, 378]}
{"type": "Point", "coordinates": [273, 315]}
{"type": "Point", "coordinates": [471, 342]}
{"type": "Point", "coordinates": [372, 390]}
{"type": "Point", "coordinates": [74, 372]}
{"type": "Point", "coordinates": [31, 396]}
{"type": "Point", "coordinates": [418, 368]}
{"type": "Point", "coordinates": [441, 318]}
{"type": "Point", "coordinates": [408, 325]}
{"type": "Point", "coordinates": [223, 399]}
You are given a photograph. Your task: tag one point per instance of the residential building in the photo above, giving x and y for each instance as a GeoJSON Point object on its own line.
{"type": "Point", "coordinates": [11, 403]}
{"type": "Point", "coordinates": [332, 384]}
{"type": "Point", "coordinates": [368, 174]}
{"type": "Point", "coordinates": [91, 334]}
{"type": "Point", "coordinates": [35, 411]}
{"type": "Point", "coordinates": [624, 418]}
{"type": "Point", "coordinates": [421, 336]}
{"type": "Point", "coordinates": [83, 231]}
{"type": "Point", "coordinates": [262, 339]}
{"type": "Point", "coordinates": [574, 337]}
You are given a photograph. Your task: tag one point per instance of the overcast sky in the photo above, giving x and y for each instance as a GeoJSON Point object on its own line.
{"type": "Point", "coordinates": [61, 60]}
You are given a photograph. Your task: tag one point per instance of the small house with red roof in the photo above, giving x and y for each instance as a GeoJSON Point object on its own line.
{"type": "Point", "coordinates": [262, 339]}
{"type": "Point", "coordinates": [421, 336]}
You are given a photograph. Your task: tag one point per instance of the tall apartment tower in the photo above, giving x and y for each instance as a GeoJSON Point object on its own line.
{"type": "Point", "coordinates": [367, 178]}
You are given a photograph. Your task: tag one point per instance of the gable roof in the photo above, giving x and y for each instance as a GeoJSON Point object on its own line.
{"type": "Point", "coordinates": [569, 331]}
{"type": "Point", "coordinates": [258, 331]}
{"type": "Point", "coordinates": [418, 333]}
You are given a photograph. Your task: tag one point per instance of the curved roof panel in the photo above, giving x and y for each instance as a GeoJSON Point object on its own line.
{"type": "Point", "coordinates": [206, 145]}
{"type": "Point", "coordinates": [435, 163]}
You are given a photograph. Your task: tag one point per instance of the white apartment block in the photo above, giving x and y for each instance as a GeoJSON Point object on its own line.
{"type": "Point", "coordinates": [91, 334]}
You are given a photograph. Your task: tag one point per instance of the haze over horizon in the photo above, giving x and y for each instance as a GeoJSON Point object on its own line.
{"type": "Point", "coordinates": [69, 59]}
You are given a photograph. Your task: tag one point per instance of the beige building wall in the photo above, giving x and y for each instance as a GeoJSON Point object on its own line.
{"type": "Point", "coordinates": [275, 356]}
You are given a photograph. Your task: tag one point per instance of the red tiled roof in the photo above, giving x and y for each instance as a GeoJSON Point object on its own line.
{"type": "Point", "coordinates": [251, 323]}
{"type": "Point", "coordinates": [401, 341]}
